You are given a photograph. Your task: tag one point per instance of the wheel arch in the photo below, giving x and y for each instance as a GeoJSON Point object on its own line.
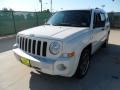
{"type": "Point", "coordinates": [78, 58]}
{"type": "Point", "coordinates": [88, 47]}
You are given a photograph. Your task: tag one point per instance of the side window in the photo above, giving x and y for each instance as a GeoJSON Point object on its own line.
{"type": "Point", "coordinates": [99, 20]}
{"type": "Point", "coordinates": [107, 18]}
{"type": "Point", "coordinates": [103, 18]}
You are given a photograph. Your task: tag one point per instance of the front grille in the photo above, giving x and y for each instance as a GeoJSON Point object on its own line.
{"type": "Point", "coordinates": [32, 46]}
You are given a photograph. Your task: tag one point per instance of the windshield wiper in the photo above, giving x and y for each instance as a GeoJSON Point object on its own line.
{"type": "Point", "coordinates": [49, 24]}
{"type": "Point", "coordinates": [63, 24]}
{"type": "Point", "coordinates": [68, 24]}
{"type": "Point", "coordinates": [75, 25]}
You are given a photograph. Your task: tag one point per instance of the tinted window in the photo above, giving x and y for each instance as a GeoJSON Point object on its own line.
{"type": "Point", "coordinates": [99, 20]}
{"type": "Point", "coordinates": [103, 17]}
{"type": "Point", "coordinates": [71, 18]}
{"type": "Point", "coordinates": [97, 17]}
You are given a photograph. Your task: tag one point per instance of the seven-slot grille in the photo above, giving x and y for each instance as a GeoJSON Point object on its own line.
{"type": "Point", "coordinates": [36, 47]}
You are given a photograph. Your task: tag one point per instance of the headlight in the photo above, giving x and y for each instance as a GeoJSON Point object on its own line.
{"type": "Point", "coordinates": [55, 48]}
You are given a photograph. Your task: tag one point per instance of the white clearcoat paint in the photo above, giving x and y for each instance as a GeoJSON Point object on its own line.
{"type": "Point", "coordinates": [48, 31]}
{"type": "Point", "coordinates": [71, 39]}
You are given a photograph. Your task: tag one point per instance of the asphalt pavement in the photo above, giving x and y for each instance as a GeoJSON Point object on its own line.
{"type": "Point", "coordinates": [104, 72]}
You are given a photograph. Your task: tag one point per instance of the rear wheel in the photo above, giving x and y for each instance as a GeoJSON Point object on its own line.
{"type": "Point", "coordinates": [83, 64]}
{"type": "Point", "coordinates": [105, 44]}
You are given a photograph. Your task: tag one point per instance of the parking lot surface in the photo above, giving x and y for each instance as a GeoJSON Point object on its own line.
{"type": "Point", "coordinates": [104, 72]}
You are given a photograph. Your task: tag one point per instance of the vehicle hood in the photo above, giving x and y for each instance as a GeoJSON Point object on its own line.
{"type": "Point", "coordinates": [48, 31]}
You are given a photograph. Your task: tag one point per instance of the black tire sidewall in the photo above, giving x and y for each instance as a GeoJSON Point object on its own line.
{"type": "Point", "coordinates": [78, 73]}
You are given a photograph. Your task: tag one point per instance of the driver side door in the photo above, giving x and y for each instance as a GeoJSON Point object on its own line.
{"type": "Point", "coordinates": [98, 30]}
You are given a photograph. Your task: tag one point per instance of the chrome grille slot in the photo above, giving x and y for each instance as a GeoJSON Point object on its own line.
{"type": "Point", "coordinates": [29, 46]}
{"type": "Point", "coordinates": [38, 47]}
{"type": "Point", "coordinates": [44, 48]}
{"type": "Point", "coordinates": [20, 43]}
{"type": "Point", "coordinates": [23, 43]}
{"type": "Point", "coordinates": [26, 42]}
{"type": "Point", "coordinates": [32, 46]}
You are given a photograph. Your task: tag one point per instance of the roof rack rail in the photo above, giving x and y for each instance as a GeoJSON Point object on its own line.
{"type": "Point", "coordinates": [97, 8]}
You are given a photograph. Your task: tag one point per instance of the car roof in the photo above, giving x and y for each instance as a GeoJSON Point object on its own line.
{"type": "Point", "coordinates": [96, 10]}
{"type": "Point", "coordinates": [78, 10]}
{"type": "Point", "coordinates": [99, 10]}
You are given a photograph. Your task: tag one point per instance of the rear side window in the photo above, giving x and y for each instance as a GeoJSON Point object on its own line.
{"type": "Point", "coordinates": [103, 18]}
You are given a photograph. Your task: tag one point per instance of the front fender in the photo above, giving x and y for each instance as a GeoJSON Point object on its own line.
{"type": "Point", "coordinates": [77, 45]}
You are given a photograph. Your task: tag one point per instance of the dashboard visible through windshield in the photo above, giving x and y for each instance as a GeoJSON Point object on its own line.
{"type": "Point", "coordinates": [75, 18]}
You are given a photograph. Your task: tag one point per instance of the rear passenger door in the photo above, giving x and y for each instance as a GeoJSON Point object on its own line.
{"type": "Point", "coordinates": [98, 30]}
{"type": "Point", "coordinates": [105, 26]}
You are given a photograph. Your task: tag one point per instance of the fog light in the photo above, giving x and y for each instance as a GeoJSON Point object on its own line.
{"type": "Point", "coordinates": [61, 67]}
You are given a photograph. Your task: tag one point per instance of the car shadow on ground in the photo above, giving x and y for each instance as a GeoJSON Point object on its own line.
{"type": "Point", "coordinates": [47, 82]}
{"type": "Point", "coordinates": [6, 44]}
{"type": "Point", "coordinates": [104, 68]}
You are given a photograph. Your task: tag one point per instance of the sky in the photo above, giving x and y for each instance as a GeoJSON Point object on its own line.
{"type": "Point", "coordinates": [34, 5]}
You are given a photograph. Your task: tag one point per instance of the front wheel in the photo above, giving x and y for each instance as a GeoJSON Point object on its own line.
{"type": "Point", "coordinates": [83, 64]}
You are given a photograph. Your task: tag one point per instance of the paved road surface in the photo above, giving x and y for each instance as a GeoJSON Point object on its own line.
{"type": "Point", "coordinates": [104, 73]}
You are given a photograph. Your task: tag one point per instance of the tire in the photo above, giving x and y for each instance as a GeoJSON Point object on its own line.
{"type": "Point", "coordinates": [105, 44]}
{"type": "Point", "coordinates": [83, 65]}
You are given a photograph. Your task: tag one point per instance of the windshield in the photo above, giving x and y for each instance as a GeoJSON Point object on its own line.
{"type": "Point", "coordinates": [71, 18]}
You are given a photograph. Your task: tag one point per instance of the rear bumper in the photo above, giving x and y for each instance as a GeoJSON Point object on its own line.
{"type": "Point", "coordinates": [48, 66]}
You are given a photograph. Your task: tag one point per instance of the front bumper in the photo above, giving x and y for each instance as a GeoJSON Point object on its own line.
{"type": "Point", "coordinates": [48, 66]}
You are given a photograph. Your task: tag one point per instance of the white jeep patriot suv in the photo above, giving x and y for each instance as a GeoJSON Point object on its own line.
{"type": "Point", "coordinates": [63, 45]}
